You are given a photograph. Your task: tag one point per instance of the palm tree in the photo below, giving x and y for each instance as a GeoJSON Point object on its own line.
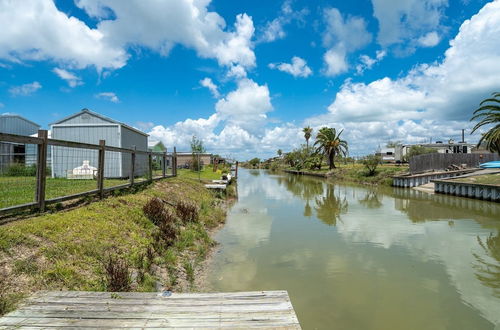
{"type": "Point", "coordinates": [489, 113]}
{"type": "Point", "coordinates": [307, 135]}
{"type": "Point", "coordinates": [330, 144]}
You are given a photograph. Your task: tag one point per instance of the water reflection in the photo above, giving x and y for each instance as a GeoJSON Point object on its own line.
{"type": "Point", "coordinates": [421, 207]}
{"type": "Point", "coordinates": [371, 199]}
{"type": "Point", "coordinates": [318, 196]}
{"type": "Point", "coordinates": [330, 206]}
{"type": "Point", "coordinates": [364, 258]}
{"type": "Point", "coordinates": [488, 266]}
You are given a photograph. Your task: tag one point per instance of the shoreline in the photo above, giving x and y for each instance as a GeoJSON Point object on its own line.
{"type": "Point", "coordinates": [382, 177]}
{"type": "Point", "coordinates": [68, 250]}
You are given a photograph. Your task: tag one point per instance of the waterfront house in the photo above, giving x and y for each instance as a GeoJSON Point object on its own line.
{"type": "Point", "coordinates": [450, 147]}
{"type": "Point", "coordinates": [387, 154]}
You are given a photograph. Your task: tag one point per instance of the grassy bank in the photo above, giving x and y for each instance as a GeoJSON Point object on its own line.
{"type": "Point", "coordinates": [358, 173]}
{"type": "Point", "coordinates": [112, 244]}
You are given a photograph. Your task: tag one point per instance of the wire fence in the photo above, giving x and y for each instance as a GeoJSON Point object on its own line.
{"type": "Point", "coordinates": [36, 171]}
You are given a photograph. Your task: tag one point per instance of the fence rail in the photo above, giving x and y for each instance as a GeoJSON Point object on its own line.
{"type": "Point", "coordinates": [50, 171]}
{"type": "Point", "coordinates": [437, 161]}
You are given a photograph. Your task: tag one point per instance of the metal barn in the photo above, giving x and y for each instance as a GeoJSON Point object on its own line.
{"type": "Point", "coordinates": [11, 153]}
{"type": "Point", "coordinates": [89, 127]}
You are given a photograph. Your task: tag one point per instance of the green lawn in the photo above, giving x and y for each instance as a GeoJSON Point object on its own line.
{"type": "Point", "coordinates": [205, 174]}
{"type": "Point", "coordinates": [21, 190]}
{"type": "Point", "coordinates": [493, 179]}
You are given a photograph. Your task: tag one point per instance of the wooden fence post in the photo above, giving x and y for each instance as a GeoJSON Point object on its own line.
{"type": "Point", "coordinates": [164, 166]}
{"type": "Point", "coordinates": [100, 168]}
{"type": "Point", "coordinates": [41, 169]}
{"type": "Point", "coordinates": [132, 167]}
{"type": "Point", "coordinates": [236, 171]}
{"type": "Point", "coordinates": [174, 162]}
{"type": "Point", "coordinates": [150, 166]}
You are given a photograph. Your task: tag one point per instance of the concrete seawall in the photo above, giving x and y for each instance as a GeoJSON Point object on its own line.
{"type": "Point", "coordinates": [410, 181]}
{"type": "Point", "coordinates": [471, 190]}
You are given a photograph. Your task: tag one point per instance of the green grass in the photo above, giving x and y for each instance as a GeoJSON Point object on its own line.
{"type": "Point", "coordinates": [21, 190]}
{"type": "Point", "coordinates": [206, 173]}
{"type": "Point", "coordinates": [66, 250]}
{"type": "Point", "coordinates": [493, 179]}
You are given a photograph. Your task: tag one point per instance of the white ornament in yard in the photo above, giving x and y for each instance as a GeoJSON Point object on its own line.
{"type": "Point", "coordinates": [84, 169]}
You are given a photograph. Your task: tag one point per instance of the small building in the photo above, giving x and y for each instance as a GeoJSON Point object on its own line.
{"type": "Point", "coordinates": [156, 146]}
{"type": "Point", "coordinates": [15, 153]}
{"type": "Point", "coordinates": [185, 159]}
{"type": "Point", "coordinates": [89, 127]}
{"type": "Point", "coordinates": [451, 147]}
{"type": "Point", "coordinates": [387, 155]}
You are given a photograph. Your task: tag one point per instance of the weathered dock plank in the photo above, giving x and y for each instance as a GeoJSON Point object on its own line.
{"type": "Point", "coordinates": [77, 309]}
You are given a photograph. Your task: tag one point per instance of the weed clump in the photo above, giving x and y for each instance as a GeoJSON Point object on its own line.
{"type": "Point", "coordinates": [117, 274]}
{"type": "Point", "coordinates": [167, 230]}
{"type": "Point", "coordinates": [155, 210]}
{"type": "Point", "coordinates": [187, 211]}
{"type": "Point", "coordinates": [164, 219]}
{"type": "Point", "coordinates": [3, 299]}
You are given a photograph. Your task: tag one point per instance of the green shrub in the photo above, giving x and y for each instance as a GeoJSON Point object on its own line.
{"type": "Point", "coordinates": [20, 170]}
{"type": "Point", "coordinates": [371, 163]}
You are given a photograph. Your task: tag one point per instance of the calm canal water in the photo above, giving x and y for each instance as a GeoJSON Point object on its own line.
{"type": "Point", "coordinates": [363, 258]}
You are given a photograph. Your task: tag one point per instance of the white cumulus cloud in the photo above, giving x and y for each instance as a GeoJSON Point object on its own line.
{"type": "Point", "coordinates": [38, 30]}
{"type": "Point", "coordinates": [236, 126]}
{"type": "Point", "coordinates": [430, 39]}
{"type": "Point", "coordinates": [404, 22]}
{"type": "Point", "coordinates": [69, 77]}
{"type": "Point", "coordinates": [109, 96]}
{"type": "Point", "coordinates": [275, 29]}
{"type": "Point", "coordinates": [343, 35]}
{"type": "Point", "coordinates": [208, 83]}
{"type": "Point", "coordinates": [25, 90]}
{"type": "Point", "coordinates": [367, 62]}
{"type": "Point", "coordinates": [298, 67]}
{"type": "Point", "coordinates": [246, 106]}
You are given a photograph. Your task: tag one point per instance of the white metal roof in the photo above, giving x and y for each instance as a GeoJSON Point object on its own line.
{"type": "Point", "coordinates": [98, 115]}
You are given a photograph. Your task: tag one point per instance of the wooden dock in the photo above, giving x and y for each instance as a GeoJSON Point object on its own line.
{"type": "Point", "coordinates": [79, 309]}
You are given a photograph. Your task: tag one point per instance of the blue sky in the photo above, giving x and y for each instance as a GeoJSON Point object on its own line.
{"type": "Point", "coordinates": [245, 76]}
